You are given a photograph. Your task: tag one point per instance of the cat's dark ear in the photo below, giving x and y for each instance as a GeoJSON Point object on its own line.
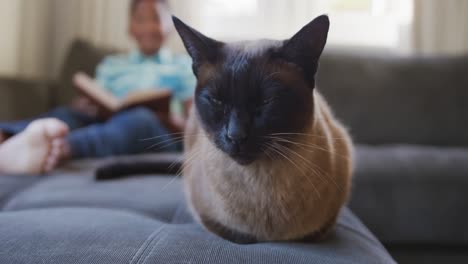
{"type": "Point", "coordinates": [306, 46]}
{"type": "Point", "coordinates": [201, 48]}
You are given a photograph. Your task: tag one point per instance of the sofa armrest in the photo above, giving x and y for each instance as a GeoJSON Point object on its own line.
{"type": "Point", "coordinates": [23, 98]}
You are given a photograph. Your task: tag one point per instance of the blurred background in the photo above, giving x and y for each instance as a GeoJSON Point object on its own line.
{"type": "Point", "coordinates": [36, 34]}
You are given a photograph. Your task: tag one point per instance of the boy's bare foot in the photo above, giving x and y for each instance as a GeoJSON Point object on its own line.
{"type": "Point", "coordinates": [35, 150]}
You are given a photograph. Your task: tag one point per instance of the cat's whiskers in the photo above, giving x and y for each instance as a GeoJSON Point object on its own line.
{"type": "Point", "coordinates": [305, 162]}
{"type": "Point", "coordinates": [175, 162]}
{"type": "Point", "coordinates": [189, 159]}
{"type": "Point", "coordinates": [291, 151]}
{"type": "Point", "coordinates": [170, 140]}
{"type": "Point", "coordinates": [193, 155]}
{"type": "Point", "coordinates": [300, 170]}
{"type": "Point", "coordinates": [266, 150]}
{"type": "Point", "coordinates": [305, 134]}
{"type": "Point", "coordinates": [317, 147]}
{"type": "Point", "coordinates": [179, 135]}
{"type": "Point", "coordinates": [185, 163]}
{"type": "Point", "coordinates": [270, 76]}
{"type": "Point", "coordinates": [320, 173]}
{"type": "Point", "coordinates": [279, 158]}
{"type": "Point", "coordinates": [311, 146]}
{"type": "Point", "coordinates": [160, 136]}
{"type": "Point", "coordinates": [173, 140]}
{"type": "Point", "coordinates": [274, 147]}
{"type": "Point", "coordinates": [320, 170]}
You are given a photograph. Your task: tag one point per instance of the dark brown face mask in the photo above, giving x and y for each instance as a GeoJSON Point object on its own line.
{"type": "Point", "coordinates": [247, 91]}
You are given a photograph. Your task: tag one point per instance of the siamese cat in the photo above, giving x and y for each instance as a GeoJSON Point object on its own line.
{"type": "Point", "coordinates": [265, 158]}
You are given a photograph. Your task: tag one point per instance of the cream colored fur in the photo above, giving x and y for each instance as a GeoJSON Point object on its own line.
{"type": "Point", "coordinates": [285, 198]}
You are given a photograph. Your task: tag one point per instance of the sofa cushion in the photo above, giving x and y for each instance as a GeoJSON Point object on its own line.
{"type": "Point", "coordinates": [21, 98]}
{"type": "Point", "coordinates": [86, 235]}
{"type": "Point", "coordinates": [70, 218]}
{"type": "Point", "coordinates": [412, 194]}
{"type": "Point", "coordinates": [11, 186]}
{"type": "Point", "coordinates": [157, 197]}
{"type": "Point", "coordinates": [82, 56]}
{"type": "Point", "coordinates": [387, 99]}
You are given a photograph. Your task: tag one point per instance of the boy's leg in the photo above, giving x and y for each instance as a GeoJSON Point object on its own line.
{"type": "Point", "coordinates": [72, 118]}
{"type": "Point", "coordinates": [127, 132]}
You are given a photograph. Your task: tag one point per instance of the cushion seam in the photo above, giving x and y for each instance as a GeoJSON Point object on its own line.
{"type": "Point", "coordinates": [144, 247]}
{"type": "Point", "coordinates": [366, 237]}
{"type": "Point", "coordinates": [126, 210]}
{"type": "Point", "coordinates": [151, 250]}
{"type": "Point", "coordinates": [9, 197]}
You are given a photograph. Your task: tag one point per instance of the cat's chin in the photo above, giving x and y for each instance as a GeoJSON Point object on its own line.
{"type": "Point", "coordinates": [242, 159]}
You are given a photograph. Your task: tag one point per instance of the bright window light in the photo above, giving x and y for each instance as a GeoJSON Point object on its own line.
{"type": "Point", "coordinates": [378, 23]}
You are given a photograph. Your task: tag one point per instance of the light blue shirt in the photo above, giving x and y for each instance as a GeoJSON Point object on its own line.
{"type": "Point", "coordinates": [122, 74]}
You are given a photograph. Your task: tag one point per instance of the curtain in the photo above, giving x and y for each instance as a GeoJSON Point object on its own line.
{"type": "Point", "coordinates": [36, 34]}
{"type": "Point", "coordinates": [440, 27]}
{"type": "Point", "coordinates": [9, 37]}
{"type": "Point", "coordinates": [101, 22]}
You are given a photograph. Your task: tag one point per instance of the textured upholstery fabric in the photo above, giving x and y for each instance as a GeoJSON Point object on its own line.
{"type": "Point", "coordinates": [70, 218]}
{"type": "Point", "coordinates": [390, 99]}
{"type": "Point", "coordinates": [410, 194]}
{"type": "Point", "coordinates": [11, 186]}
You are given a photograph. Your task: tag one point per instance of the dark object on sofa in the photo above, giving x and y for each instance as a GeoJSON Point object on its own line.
{"type": "Point", "coordinates": [122, 169]}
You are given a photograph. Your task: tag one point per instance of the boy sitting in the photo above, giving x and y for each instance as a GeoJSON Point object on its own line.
{"type": "Point", "coordinates": [78, 132]}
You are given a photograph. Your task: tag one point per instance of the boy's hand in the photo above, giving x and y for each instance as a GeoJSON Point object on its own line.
{"type": "Point", "coordinates": [86, 106]}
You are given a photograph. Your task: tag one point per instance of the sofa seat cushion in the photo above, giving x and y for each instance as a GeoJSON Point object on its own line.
{"type": "Point", "coordinates": [412, 194]}
{"type": "Point", "coordinates": [11, 186]}
{"type": "Point", "coordinates": [70, 218]}
{"type": "Point", "coordinates": [157, 197]}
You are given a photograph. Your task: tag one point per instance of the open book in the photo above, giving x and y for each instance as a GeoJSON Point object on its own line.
{"type": "Point", "coordinates": [157, 100]}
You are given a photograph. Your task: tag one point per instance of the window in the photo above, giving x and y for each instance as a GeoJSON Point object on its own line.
{"type": "Point", "coordinates": [380, 23]}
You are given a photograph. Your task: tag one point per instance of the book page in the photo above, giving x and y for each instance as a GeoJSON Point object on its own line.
{"type": "Point", "coordinates": [98, 94]}
{"type": "Point", "coordinates": [145, 96]}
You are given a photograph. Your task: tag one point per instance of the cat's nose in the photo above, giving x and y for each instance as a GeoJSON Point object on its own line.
{"type": "Point", "coordinates": [236, 129]}
{"type": "Point", "coordinates": [236, 134]}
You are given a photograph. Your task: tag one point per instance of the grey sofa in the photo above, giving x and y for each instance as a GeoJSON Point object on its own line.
{"type": "Point", "coordinates": [70, 218]}
{"type": "Point", "coordinates": [408, 116]}
{"type": "Point", "coordinates": [405, 114]}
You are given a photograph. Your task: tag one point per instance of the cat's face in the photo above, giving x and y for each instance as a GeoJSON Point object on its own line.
{"type": "Point", "coordinates": [249, 92]}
